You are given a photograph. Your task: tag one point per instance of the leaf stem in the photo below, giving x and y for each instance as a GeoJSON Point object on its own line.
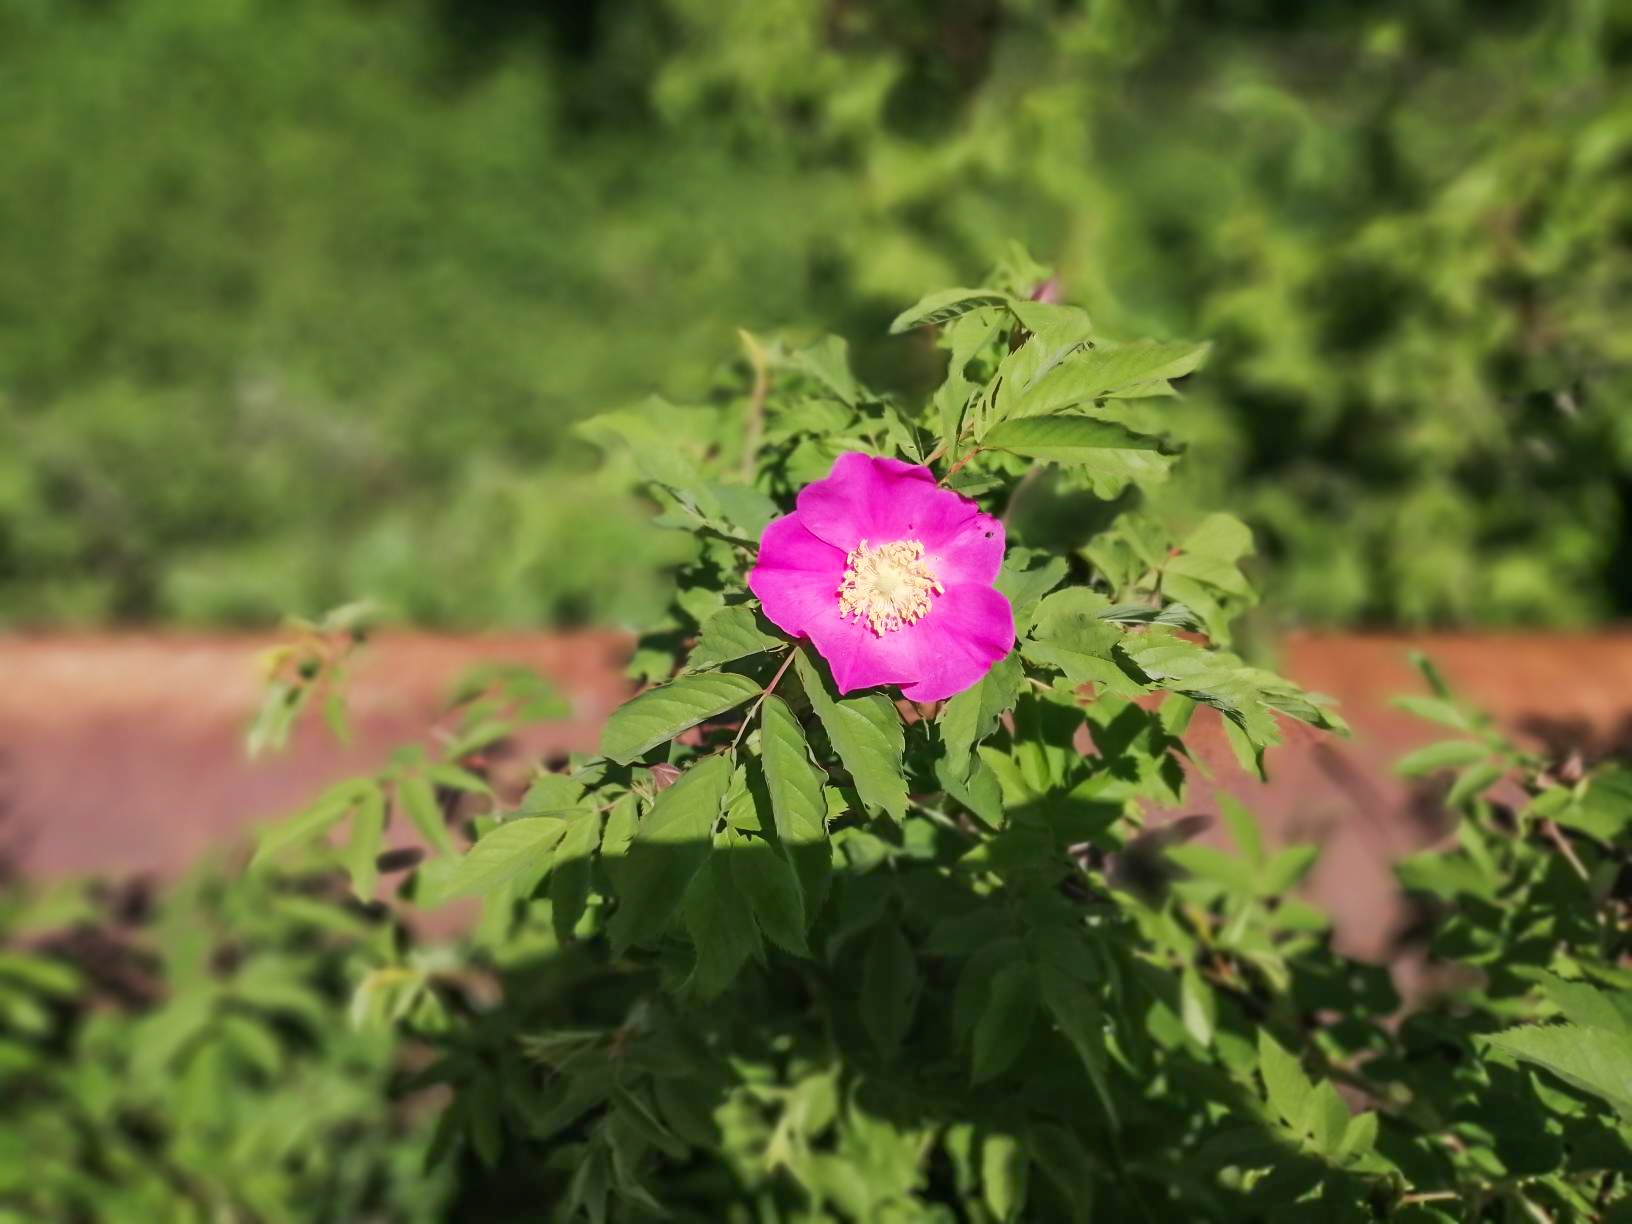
{"type": "Point", "coordinates": [941, 818]}
{"type": "Point", "coordinates": [953, 470]}
{"type": "Point", "coordinates": [1563, 843]}
{"type": "Point", "coordinates": [760, 700]}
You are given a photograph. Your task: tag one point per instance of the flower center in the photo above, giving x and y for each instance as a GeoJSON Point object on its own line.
{"type": "Point", "coordinates": [888, 586]}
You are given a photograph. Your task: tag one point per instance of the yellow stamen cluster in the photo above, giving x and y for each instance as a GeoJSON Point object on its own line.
{"type": "Point", "coordinates": [888, 586]}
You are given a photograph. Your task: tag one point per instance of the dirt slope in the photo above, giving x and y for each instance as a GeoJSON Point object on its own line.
{"type": "Point", "coordinates": [123, 754]}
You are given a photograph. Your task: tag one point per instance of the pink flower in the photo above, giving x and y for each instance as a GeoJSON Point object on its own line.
{"type": "Point", "coordinates": [890, 578]}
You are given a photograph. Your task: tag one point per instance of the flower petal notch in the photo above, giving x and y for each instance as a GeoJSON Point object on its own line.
{"type": "Point", "coordinates": [890, 578]}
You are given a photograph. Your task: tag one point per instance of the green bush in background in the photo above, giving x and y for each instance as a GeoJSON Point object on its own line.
{"type": "Point", "coordinates": [297, 300]}
{"type": "Point", "coordinates": [184, 1054]}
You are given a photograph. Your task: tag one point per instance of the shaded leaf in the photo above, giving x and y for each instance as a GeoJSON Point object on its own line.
{"type": "Point", "coordinates": [765, 877]}
{"type": "Point", "coordinates": [670, 845]}
{"type": "Point", "coordinates": [721, 926]}
{"type": "Point", "coordinates": [571, 873]}
{"type": "Point", "coordinates": [798, 806]}
{"type": "Point", "coordinates": [1005, 1021]}
{"type": "Point", "coordinates": [889, 986]}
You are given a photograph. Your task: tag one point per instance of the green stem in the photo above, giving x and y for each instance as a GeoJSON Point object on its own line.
{"type": "Point", "coordinates": [765, 692]}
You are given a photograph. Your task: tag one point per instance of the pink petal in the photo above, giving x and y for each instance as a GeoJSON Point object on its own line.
{"type": "Point", "coordinates": [969, 553]}
{"type": "Point", "coordinates": [883, 500]}
{"type": "Point", "coordinates": [797, 582]}
{"type": "Point", "coordinates": [879, 500]}
{"type": "Point", "coordinates": [861, 658]}
{"type": "Point", "coordinates": [801, 563]}
{"type": "Point", "coordinates": [797, 576]}
{"type": "Point", "coordinates": [969, 629]}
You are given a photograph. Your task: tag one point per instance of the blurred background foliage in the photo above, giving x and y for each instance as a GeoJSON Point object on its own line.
{"type": "Point", "coordinates": [299, 299]}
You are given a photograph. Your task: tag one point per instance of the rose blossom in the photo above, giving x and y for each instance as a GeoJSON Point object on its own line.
{"type": "Point", "coordinates": [889, 577]}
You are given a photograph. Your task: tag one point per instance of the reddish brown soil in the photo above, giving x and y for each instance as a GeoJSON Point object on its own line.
{"type": "Point", "coordinates": [124, 754]}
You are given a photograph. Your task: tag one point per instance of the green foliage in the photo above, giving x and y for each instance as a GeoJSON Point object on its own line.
{"type": "Point", "coordinates": [320, 327]}
{"type": "Point", "coordinates": [196, 1063]}
{"type": "Point", "coordinates": [844, 957]}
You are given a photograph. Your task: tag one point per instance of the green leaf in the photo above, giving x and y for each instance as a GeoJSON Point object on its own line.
{"type": "Point", "coordinates": [1443, 875]}
{"type": "Point", "coordinates": [1593, 1060]}
{"type": "Point", "coordinates": [418, 799]}
{"type": "Point", "coordinates": [1060, 1154]}
{"type": "Point", "coordinates": [649, 433]}
{"type": "Point", "coordinates": [798, 807]}
{"type": "Point", "coordinates": [1285, 869]}
{"type": "Point", "coordinates": [1604, 809]}
{"type": "Point", "coordinates": [253, 1042]}
{"type": "Point", "coordinates": [1006, 1021]}
{"type": "Point", "coordinates": [1234, 874]}
{"type": "Point", "coordinates": [330, 808]}
{"type": "Point", "coordinates": [1057, 335]}
{"type": "Point", "coordinates": [944, 306]}
{"type": "Point", "coordinates": [660, 714]}
{"type": "Point", "coordinates": [1107, 373]}
{"type": "Point", "coordinates": [1447, 754]}
{"type": "Point", "coordinates": [1434, 709]}
{"type": "Point", "coordinates": [571, 873]}
{"type": "Point", "coordinates": [505, 853]}
{"type": "Point", "coordinates": [1328, 1118]}
{"type": "Point", "coordinates": [671, 844]}
{"type": "Point", "coordinates": [731, 633]}
{"type": "Point", "coordinates": [1071, 635]}
{"type": "Point", "coordinates": [1102, 447]}
{"type": "Point", "coordinates": [1004, 1166]}
{"type": "Point", "coordinates": [1222, 537]}
{"type": "Point", "coordinates": [866, 733]}
{"type": "Point", "coordinates": [889, 987]}
{"type": "Point", "coordinates": [1359, 1137]}
{"type": "Point", "coordinates": [1248, 697]}
{"type": "Point", "coordinates": [973, 714]}
{"type": "Point", "coordinates": [980, 792]}
{"type": "Point", "coordinates": [618, 836]}
{"type": "Point", "coordinates": [281, 704]}
{"type": "Point", "coordinates": [1198, 1006]}
{"type": "Point", "coordinates": [1174, 614]}
{"type": "Point", "coordinates": [363, 850]}
{"type": "Point", "coordinates": [1080, 1018]}
{"type": "Point", "coordinates": [1024, 584]}
{"type": "Point", "coordinates": [721, 926]}
{"type": "Point", "coordinates": [1583, 1003]}
{"type": "Point", "coordinates": [334, 716]}
{"type": "Point", "coordinates": [765, 877]}
{"type": "Point", "coordinates": [746, 509]}
{"type": "Point", "coordinates": [454, 778]}
{"type": "Point", "coordinates": [1473, 781]}
{"type": "Point", "coordinates": [828, 362]}
{"type": "Point", "coordinates": [1243, 827]}
{"type": "Point", "coordinates": [1290, 1092]}
{"type": "Point", "coordinates": [41, 973]}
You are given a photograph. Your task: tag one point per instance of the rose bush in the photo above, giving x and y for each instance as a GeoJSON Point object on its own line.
{"type": "Point", "coordinates": [916, 608]}
{"type": "Point", "coordinates": [862, 911]}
